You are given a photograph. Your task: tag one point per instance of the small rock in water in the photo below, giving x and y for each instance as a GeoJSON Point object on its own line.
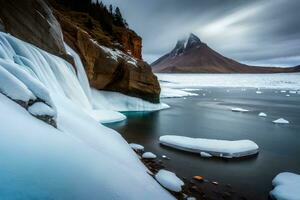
{"type": "Point", "coordinates": [149, 155]}
{"type": "Point", "coordinates": [191, 198]}
{"type": "Point", "coordinates": [198, 178]}
{"type": "Point", "coordinates": [215, 183]}
{"type": "Point", "coordinates": [281, 121]}
{"type": "Point", "coordinates": [262, 114]}
{"type": "Point", "coordinates": [136, 147]}
{"type": "Point", "coordinates": [205, 155]}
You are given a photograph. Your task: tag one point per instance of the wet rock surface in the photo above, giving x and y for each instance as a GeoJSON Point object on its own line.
{"type": "Point", "coordinates": [198, 187]}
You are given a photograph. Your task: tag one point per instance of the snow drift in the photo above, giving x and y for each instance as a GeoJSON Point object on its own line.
{"type": "Point", "coordinates": [39, 161]}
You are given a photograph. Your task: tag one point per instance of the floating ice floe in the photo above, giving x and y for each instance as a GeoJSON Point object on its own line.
{"type": "Point", "coordinates": [205, 155]}
{"type": "Point", "coordinates": [258, 92]}
{"type": "Point", "coordinates": [149, 155]}
{"type": "Point", "coordinates": [220, 148]}
{"type": "Point", "coordinates": [262, 114]}
{"type": "Point", "coordinates": [292, 92]}
{"type": "Point", "coordinates": [107, 116]}
{"type": "Point", "coordinates": [137, 147]}
{"type": "Point", "coordinates": [281, 121]}
{"type": "Point", "coordinates": [169, 180]}
{"type": "Point", "coordinates": [283, 91]}
{"type": "Point", "coordinates": [239, 110]}
{"type": "Point", "coordinates": [174, 93]}
{"type": "Point", "coordinates": [286, 186]}
{"type": "Point", "coordinates": [190, 89]}
{"type": "Point", "coordinates": [287, 95]}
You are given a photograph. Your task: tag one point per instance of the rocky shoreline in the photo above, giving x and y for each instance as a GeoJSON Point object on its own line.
{"type": "Point", "coordinates": [197, 187]}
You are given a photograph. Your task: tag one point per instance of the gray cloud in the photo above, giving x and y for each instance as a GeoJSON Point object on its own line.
{"type": "Point", "coordinates": [256, 32]}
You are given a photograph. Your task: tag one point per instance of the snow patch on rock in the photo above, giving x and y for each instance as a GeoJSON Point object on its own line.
{"type": "Point", "coordinates": [169, 180]}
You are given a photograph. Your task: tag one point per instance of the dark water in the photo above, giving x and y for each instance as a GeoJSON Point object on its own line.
{"type": "Point", "coordinates": [204, 117]}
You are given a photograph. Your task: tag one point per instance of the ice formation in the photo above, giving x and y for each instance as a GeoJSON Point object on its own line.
{"type": "Point", "coordinates": [219, 148]}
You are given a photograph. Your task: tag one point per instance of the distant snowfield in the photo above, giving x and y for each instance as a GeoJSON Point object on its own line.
{"type": "Point", "coordinates": [271, 81]}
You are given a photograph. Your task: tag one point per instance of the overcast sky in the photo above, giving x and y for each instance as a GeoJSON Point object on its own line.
{"type": "Point", "coordinates": [262, 32]}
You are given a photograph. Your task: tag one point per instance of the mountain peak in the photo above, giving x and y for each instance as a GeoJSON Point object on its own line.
{"type": "Point", "coordinates": [193, 41]}
{"type": "Point", "coordinates": [179, 48]}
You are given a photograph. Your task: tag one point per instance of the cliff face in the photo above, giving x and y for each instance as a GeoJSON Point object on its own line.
{"type": "Point", "coordinates": [33, 21]}
{"type": "Point", "coordinates": [131, 42]}
{"type": "Point", "coordinates": [115, 67]}
{"type": "Point", "coordinates": [111, 69]}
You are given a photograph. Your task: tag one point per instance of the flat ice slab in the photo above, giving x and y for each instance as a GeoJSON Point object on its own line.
{"type": "Point", "coordinates": [220, 148]}
{"type": "Point", "coordinates": [239, 110]}
{"type": "Point", "coordinates": [286, 186]}
{"type": "Point", "coordinates": [169, 180]}
{"type": "Point", "coordinates": [281, 121]}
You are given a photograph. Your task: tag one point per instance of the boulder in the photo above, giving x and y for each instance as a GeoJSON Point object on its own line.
{"type": "Point", "coordinates": [32, 21]}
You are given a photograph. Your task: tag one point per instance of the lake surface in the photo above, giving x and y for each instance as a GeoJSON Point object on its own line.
{"type": "Point", "coordinates": [210, 116]}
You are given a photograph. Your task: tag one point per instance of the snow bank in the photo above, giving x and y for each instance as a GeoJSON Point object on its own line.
{"type": "Point", "coordinates": [220, 148]}
{"type": "Point", "coordinates": [169, 180]}
{"type": "Point", "coordinates": [239, 110]}
{"type": "Point", "coordinates": [13, 88]}
{"type": "Point", "coordinates": [120, 102]}
{"type": "Point", "coordinates": [286, 186]}
{"type": "Point", "coordinates": [149, 155]}
{"type": "Point", "coordinates": [281, 121]}
{"type": "Point", "coordinates": [53, 160]}
{"type": "Point", "coordinates": [40, 109]}
{"type": "Point", "coordinates": [174, 93]}
{"type": "Point", "coordinates": [32, 83]}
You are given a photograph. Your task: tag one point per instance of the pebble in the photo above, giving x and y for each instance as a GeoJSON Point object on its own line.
{"type": "Point", "coordinates": [198, 178]}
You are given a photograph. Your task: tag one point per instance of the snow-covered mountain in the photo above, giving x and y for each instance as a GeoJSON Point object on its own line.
{"type": "Point", "coordinates": [194, 56]}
